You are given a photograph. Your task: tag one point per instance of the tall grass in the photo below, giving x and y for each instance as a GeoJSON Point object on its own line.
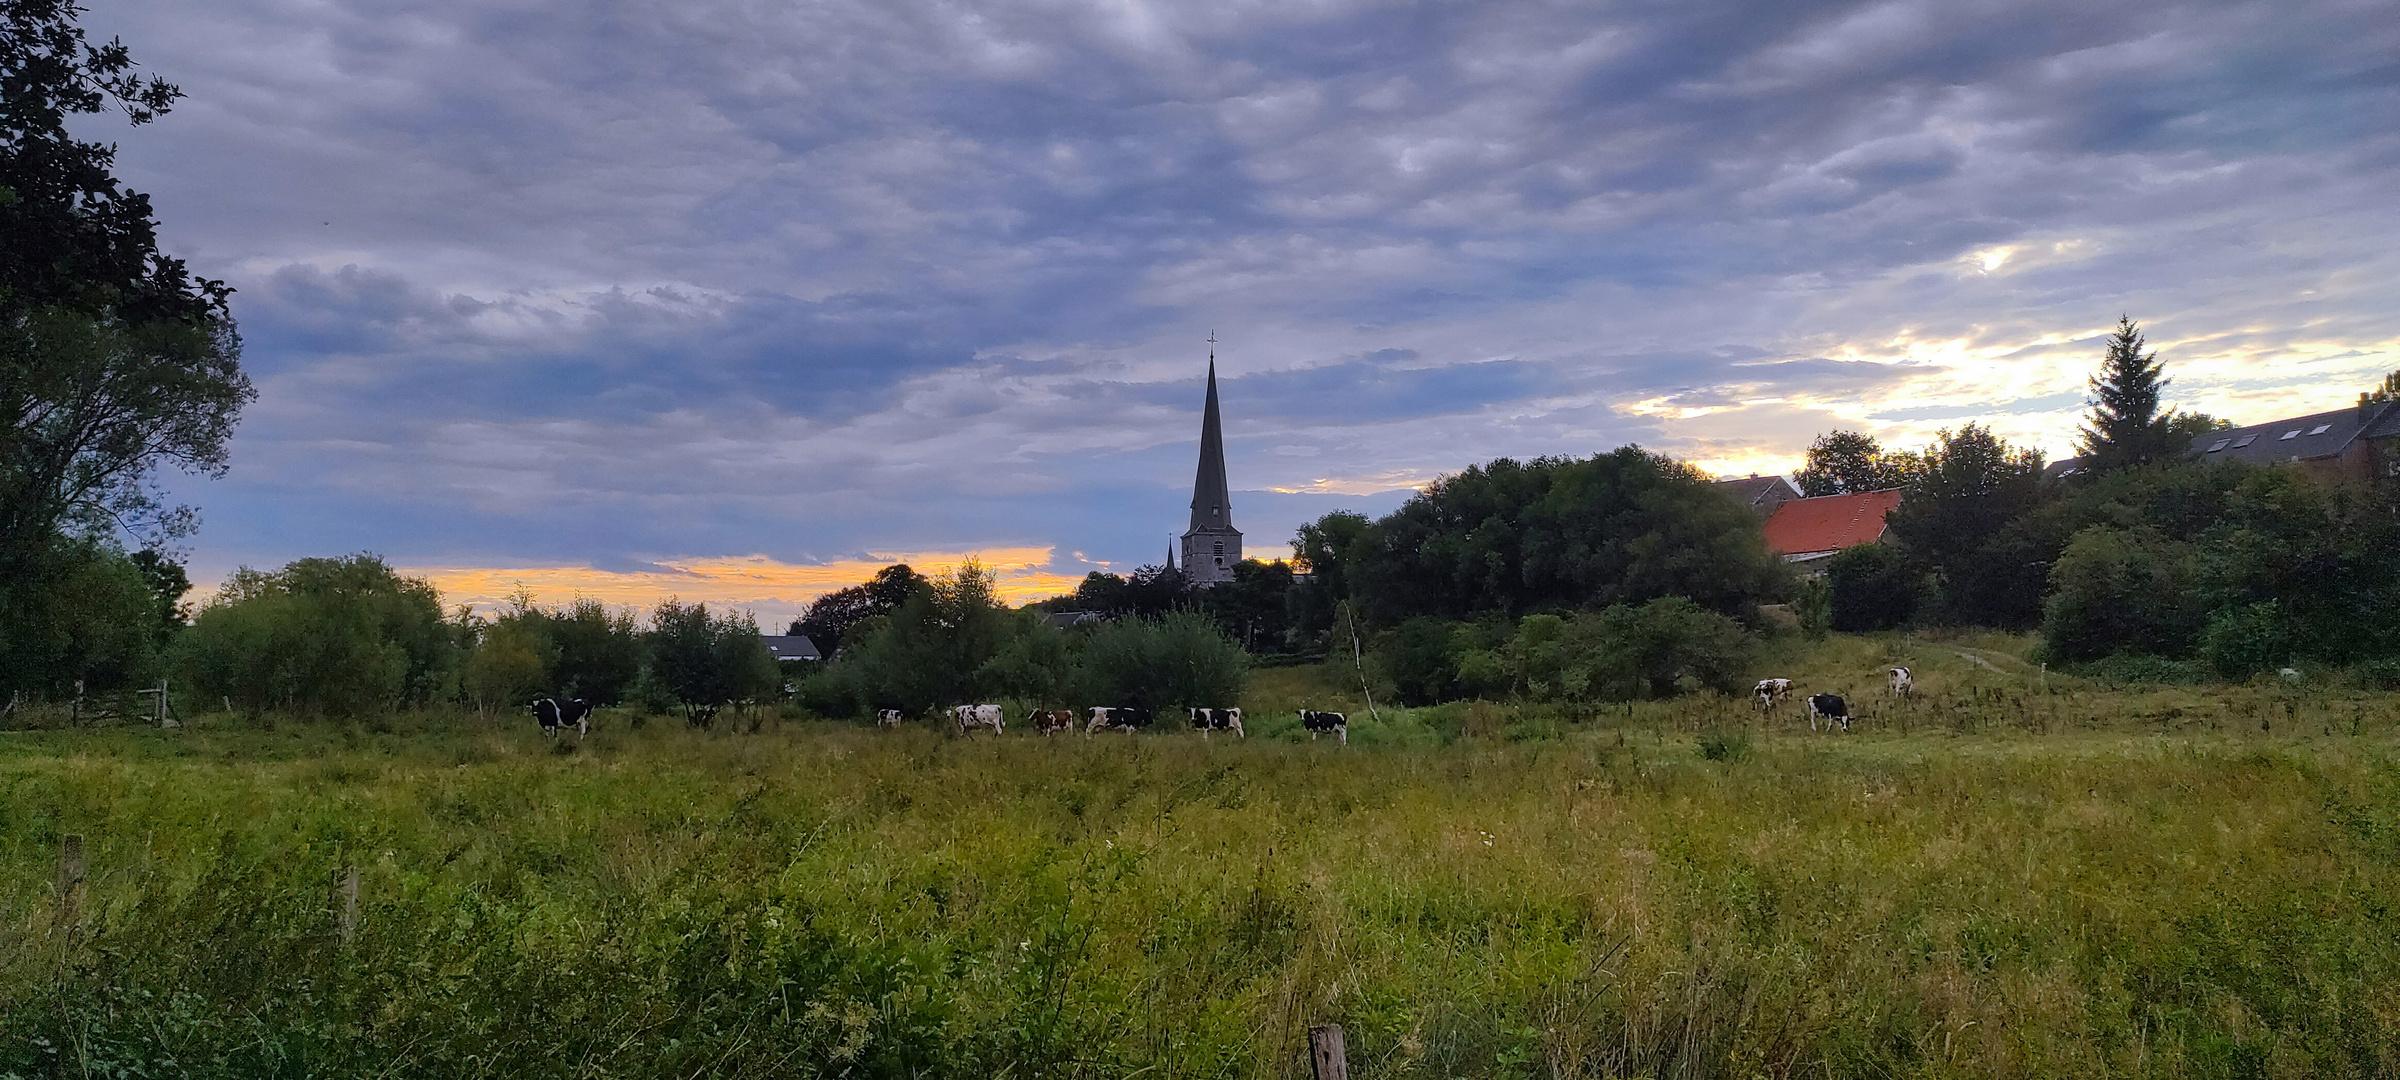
{"type": "Point", "coordinates": [1966, 885]}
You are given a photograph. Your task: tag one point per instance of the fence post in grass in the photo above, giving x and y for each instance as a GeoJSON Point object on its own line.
{"type": "Point", "coordinates": [70, 878]}
{"type": "Point", "coordinates": [345, 903]}
{"type": "Point", "coordinates": [1327, 1060]}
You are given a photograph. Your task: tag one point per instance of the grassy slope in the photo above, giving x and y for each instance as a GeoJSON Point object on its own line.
{"type": "Point", "coordinates": [1988, 881]}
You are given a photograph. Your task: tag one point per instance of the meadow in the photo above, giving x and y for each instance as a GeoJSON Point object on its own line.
{"type": "Point", "coordinates": [2016, 874]}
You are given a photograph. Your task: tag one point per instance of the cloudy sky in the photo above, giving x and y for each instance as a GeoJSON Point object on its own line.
{"type": "Point", "coordinates": [737, 300]}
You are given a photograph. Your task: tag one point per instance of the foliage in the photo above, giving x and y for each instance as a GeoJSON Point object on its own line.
{"type": "Point", "coordinates": [599, 651]}
{"type": "Point", "coordinates": [1871, 587]}
{"type": "Point", "coordinates": [509, 665]}
{"type": "Point", "coordinates": [2155, 558]}
{"type": "Point", "coordinates": [709, 660]}
{"type": "Point", "coordinates": [1180, 660]}
{"type": "Point", "coordinates": [928, 653]}
{"type": "Point", "coordinates": [827, 619]}
{"type": "Point", "coordinates": [1955, 519]}
{"type": "Point", "coordinates": [1620, 653]}
{"type": "Point", "coordinates": [2125, 428]}
{"type": "Point", "coordinates": [85, 613]}
{"type": "Point", "coordinates": [1327, 548]}
{"type": "Point", "coordinates": [1846, 462]}
{"type": "Point", "coordinates": [1253, 607]}
{"type": "Point", "coordinates": [324, 636]}
{"type": "Point", "coordinates": [1148, 592]}
{"type": "Point", "coordinates": [1812, 607]}
{"type": "Point", "coordinates": [1554, 533]}
{"type": "Point", "coordinates": [112, 358]}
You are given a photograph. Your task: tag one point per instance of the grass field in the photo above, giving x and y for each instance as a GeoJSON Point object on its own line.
{"type": "Point", "coordinates": [2004, 877]}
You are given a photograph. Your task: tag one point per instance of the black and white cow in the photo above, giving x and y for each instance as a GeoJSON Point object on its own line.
{"type": "Point", "coordinates": [1829, 707]}
{"type": "Point", "coordinates": [1325, 723]}
{"type": "Point", "coordinates": [1049, 721]}
{"type": "Point", "coordinates": [1770, 692]}
{"type": "Point", "coordinates": [1208, 720]}
{"type": "Point", "coordinates": [887, 718]}
{"type": "Point", "coordinates": [970, 717]}
{"type": "Point", "coordinates": [576, 714]}
{"type": "Point", "coordinates": [1902, 682]}
{"type": "Point", "coordinates": [545, 713]}
{"type": "Point", "coordinates": [1125, 718]}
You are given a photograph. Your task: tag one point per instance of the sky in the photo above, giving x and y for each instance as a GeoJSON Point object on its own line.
{"type": "Point", "coordinates": [738, 301]}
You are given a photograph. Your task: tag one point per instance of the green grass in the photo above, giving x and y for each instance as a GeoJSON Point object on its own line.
{"type": "Point", "coordinates": [1994, 879]}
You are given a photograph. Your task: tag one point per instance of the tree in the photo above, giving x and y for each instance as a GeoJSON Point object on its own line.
{"type": "Point", "coordinates": [709, 661]}
{"type": "Point", "coordinates": [1326, 548]}
{"type": "Point", "coordinates": [1871, 587]}
{"type": "Point", "coordinates": [2126, 428]}
{"type": "Point", "coordinates": [1844, 462]}
{"type": "Point", "coordinates": [1253, 607]}
{"type": "Point", "coordinates": [1956, 520]}
{"type": "Point", "coordinates": [828, 618]}
{"type": "Point", "coordinates": [113, 359]}
{"type": "Point", "coordinates": [326, 636]}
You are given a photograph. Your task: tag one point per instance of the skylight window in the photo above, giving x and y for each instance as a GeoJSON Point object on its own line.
{"type": "Point", "coordinates": [2319, 429]}
{"type": "Point", "coordinates": [2292, 434]}
{"type": "Point", "coordinates": [2246, 440]}
{"type": "Point", "coordinates": [2220, 444]}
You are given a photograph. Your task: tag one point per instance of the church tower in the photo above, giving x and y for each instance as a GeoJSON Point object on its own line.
{"type": "Point", "coordinates": [1212, 545]}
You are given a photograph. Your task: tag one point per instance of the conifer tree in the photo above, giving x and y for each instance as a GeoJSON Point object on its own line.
{"type": "Point", "coordinates": [2127, 428]}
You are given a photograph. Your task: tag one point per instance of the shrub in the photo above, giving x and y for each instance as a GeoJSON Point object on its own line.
{"type": "Point", "coordinates": [1181, 660]}
{"type": "Point", "coordinates": [2241, 641]}
{"type": "Point", "coordinates": [1871, 587]}
{"type": "Point", "coordinates": [2122, 590]}
{"type": "Point", "coordinates": [326, 636]}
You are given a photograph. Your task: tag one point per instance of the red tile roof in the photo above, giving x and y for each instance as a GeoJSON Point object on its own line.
{"type": "Point", "coordinates": [1829, 522]}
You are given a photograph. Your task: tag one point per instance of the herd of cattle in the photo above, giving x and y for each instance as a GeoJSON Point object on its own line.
{"type": "Point", "coordinates": [1829, 708]}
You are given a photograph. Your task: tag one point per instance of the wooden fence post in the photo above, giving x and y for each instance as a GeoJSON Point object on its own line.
{"type": "Point", "coordinates": [70, 878]}
{"type": "Point", "coordinates": [345, 903]}
{"type": "Point", "coordinates": [1327, 1059]}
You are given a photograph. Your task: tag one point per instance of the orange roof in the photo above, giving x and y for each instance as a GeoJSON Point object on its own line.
{"type": "Point", "coordinates": [1829, 522]}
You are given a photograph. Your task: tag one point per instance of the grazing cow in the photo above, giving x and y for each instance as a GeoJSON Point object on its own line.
{"type": "Point", "coordinates": [1048, 721]}
{"type": "Point", "coordinates": [1831, 708]}
{"type": "Point", "coordinates": [1208, 720]}
{"type": "Point", "coordinates": [1771, 692]}
{"type": "Point", "coordinates": [1321, 723]}
{"type": "Point", "coordinates": [1902, 682]}
{"type": "Point", "coordinates": [970, 717]}
{"type": "Point", "coordinates": [576, 714]}
{"type": "Point", "coordinates": [887, 718]}
{"type": "Point", "coordinates": [545, 713]}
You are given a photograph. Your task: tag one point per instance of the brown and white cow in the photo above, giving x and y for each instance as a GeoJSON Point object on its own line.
{"type": "Point", "coordinates": [1048, 721]}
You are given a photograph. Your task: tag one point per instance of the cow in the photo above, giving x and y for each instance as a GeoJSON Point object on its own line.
{"type": "Point", "coordinates": [970, 717]}
{"type": "Point", "coordinates": [1831, 708]}
{"type": "Point", "coordinates": [1048, 721]}
{"type": "Point", "coordinates": [887, 718]}
{"type": "Point", "coordinates": [1770, 692]}
{"type": "Point", "coordinates": [1208, 720]}
{"type": "Point", "coordinates": [576, 714]}
{"type": "Point", "coordinates": [1125, 718]}
{"type": "Point", "coordinates": [1320, 723]}
{"type": "Point", "coordinates": [545, 713]}
{"type": "Point", "coordinates": [1902, 682]}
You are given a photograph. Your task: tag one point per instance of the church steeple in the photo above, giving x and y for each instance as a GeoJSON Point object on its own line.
{"type": "Point", "coordinates": [1212, 545]}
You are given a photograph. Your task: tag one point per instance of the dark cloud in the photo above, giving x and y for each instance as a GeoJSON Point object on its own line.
{"type": "Point", "coordinates": [809, 279]}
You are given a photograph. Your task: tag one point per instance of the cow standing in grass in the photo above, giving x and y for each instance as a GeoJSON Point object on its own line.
{"type": "Point", "coordinates": [1903, 683]}
{"type": "Point", "coordinates": [1125, 718]}
{"type": "Point", "coordinates": [1325, 723]}
{"type": "Point", "coordinates": [1770, 693]}
{"type": "Point", "coordinates": [1831, 708]}
{"type": "Point", "coordinates": [970, 717]}
{"type": "Point", "coordinates": [1208, 720]}
{"type": "Point", "coordinates": [576, 714]}
{"type": "Point", "coordinates": [545, 713]}
{"type": "Point", "coordinates": [887, 718]}
{"type": "Point", "coordinates": [1049, 721]}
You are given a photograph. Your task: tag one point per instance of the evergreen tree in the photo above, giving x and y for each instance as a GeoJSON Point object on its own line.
{"type": "Point", "coordinates": [2127, 428]}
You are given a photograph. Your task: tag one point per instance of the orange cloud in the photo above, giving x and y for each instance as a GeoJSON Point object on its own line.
{"type": "Point", "coordinates": [776, 591]}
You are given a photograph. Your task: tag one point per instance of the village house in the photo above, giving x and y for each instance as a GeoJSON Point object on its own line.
{"type": "Point", "coordinates": [1806, 532]}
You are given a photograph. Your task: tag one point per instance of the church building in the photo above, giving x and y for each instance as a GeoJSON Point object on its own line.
{"type": "Point", "coordinates": [1212, 546]}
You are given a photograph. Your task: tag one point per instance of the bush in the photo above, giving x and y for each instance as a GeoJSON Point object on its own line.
{"type": "Point", "coordinates": [2122, 590]}
{"type": "Point", "coordinates": [1871, 587]}
{"type": "Point", "coordinates": [1417, 657]}
{"type": "Point", "coordinates": [85, 612]}
{"type": "Point", "coordinates": [2242, 641]}
{"type": "Point", "coordinates": [325, 636]}
{"type": "Point", "coordinates": [1178, 661]}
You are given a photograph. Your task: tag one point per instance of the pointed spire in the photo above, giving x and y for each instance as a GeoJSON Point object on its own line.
{"type": "Point", "coordinates": [1212, 501]}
